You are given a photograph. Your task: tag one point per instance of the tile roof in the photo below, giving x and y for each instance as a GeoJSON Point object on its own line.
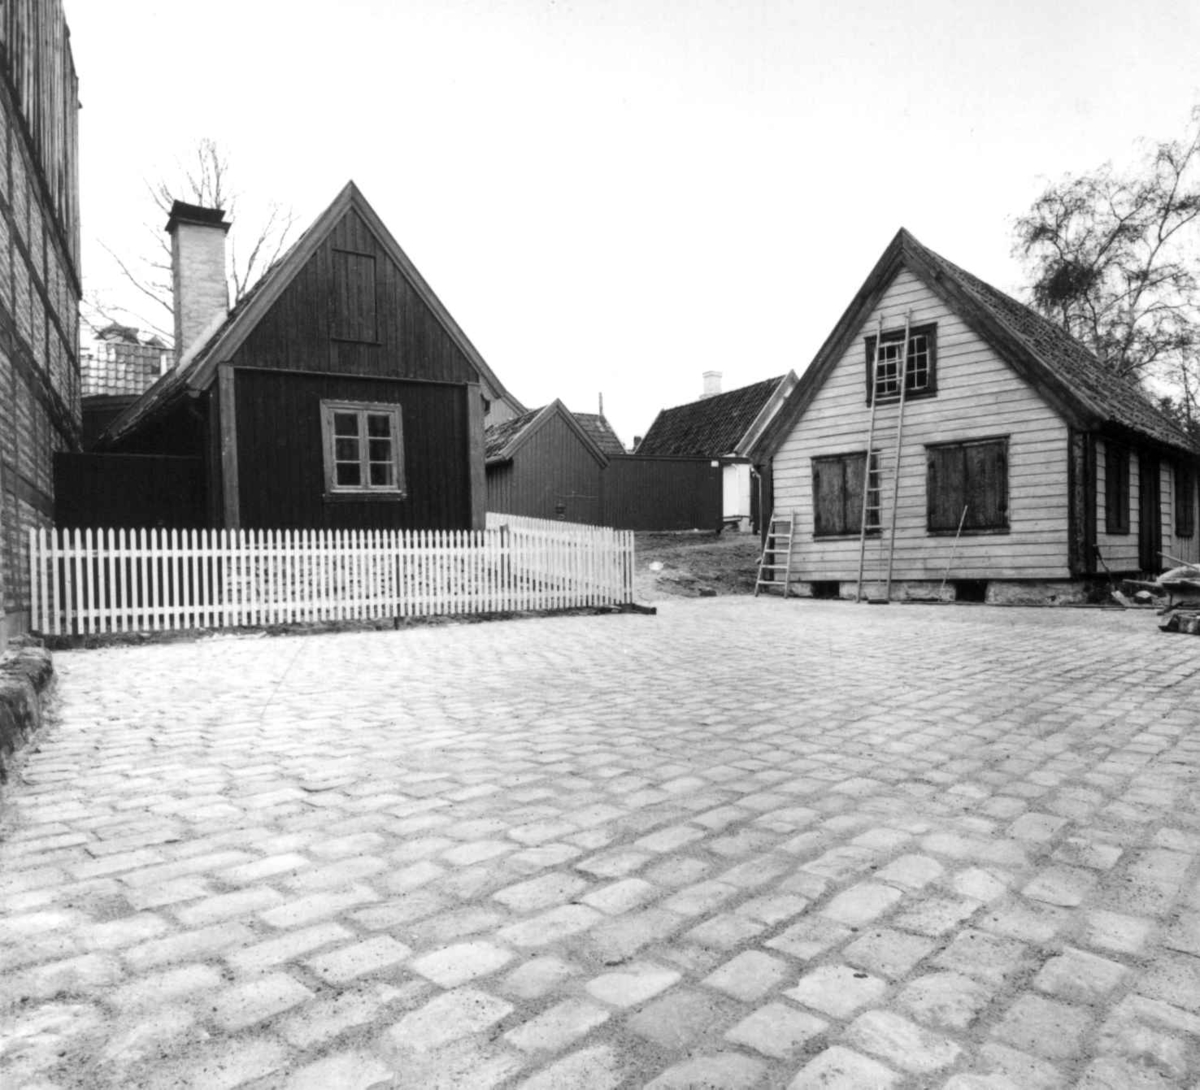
{"type": "Point", "coordinates": [709, 427]}
{"type": "Point", "coordinates": [498, 436]}
{"type": "Point", "coordinates": [601, 431]}
{"type": "Point", "coordinates": [1116, 399]}
{"type": "Point", "coordinates": [114, 368]}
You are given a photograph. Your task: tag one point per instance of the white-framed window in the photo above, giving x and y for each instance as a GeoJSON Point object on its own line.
{"type": "Point", "coordinates": [920, 368]}
{"type": "Point", "coordinates": [364, 449]}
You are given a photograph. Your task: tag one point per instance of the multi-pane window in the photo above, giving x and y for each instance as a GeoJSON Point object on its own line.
{"type": "Point", "coordinates": [1116, 489]}
{"type": "Point", "coordinates": [364, 449]}
{"type": "Point", "coordinates": [1185, 501]}
{"type": "Point", "coordinates": [966, 486]}
{"type": "Point", "coordinates": [919, 368]}
{"type": "Point", "coordinates": [838, 494]}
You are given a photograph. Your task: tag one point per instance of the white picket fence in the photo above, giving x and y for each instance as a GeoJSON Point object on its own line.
{"type": "Point", "coordinates": [97, 581]}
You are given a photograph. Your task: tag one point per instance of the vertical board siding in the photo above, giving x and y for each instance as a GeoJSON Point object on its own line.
{"type": "Point", "coordinates": [281, 453]}
{"type": "Point", "coordinates": [643, 492]}
{"type": "Point", "coordinates": [100, 581]}
{"type": "Point", "coordinates": [551, 468]}
{"type": "Point", "coordinates": [299, 331]}
{"type": "Point", "coordinates": [978, 396]}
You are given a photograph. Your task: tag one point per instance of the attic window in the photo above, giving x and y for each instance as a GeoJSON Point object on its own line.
{"type": "Point", "coordinates": [353, 297]}
{"type": "Point", "coordinates": [920, 370]}
{"type": "Point", "coordinates": [364, 450]}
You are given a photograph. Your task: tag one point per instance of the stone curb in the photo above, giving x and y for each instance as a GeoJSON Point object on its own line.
{"type": "Point", "coordinates": [26, 677]}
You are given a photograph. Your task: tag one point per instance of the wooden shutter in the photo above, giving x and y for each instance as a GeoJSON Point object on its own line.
{"type": "Point", "coordinates": [827, 495]}
{"type": "Point", "coordinates": [944, 486]}
{"type": "Point", "coordinates": [853, 468]}
{"type": "Point", "coordinates": [353, 296]}
{"type": "Point", "coordinates": [986, 493]}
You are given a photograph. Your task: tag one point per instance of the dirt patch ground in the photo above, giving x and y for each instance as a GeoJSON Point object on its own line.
{"type": "Point", "coordinates": [695, 564]}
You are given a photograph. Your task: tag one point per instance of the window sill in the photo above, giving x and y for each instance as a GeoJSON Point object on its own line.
{"type": "Point", "coordinates": [990, 531]}
{"type": "Point", "coordinates": [365, 496]}
{"type": "Point", "coordinates": [848, 535]}
{"type": "Point", "coordinates": [911, 395]}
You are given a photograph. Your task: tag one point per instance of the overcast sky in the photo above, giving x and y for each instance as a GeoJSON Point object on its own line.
{"type": "Point", "coordinates": [613, 196]}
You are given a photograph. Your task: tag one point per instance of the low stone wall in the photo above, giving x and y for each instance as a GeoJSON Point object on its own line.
{"type": "Point", "coordinates": [26, 675]}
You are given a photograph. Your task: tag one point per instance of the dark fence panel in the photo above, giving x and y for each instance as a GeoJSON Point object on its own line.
{"type": "Point", "coordinates": [109, 490]}
{"type": "Point", "coordinates": [651, 493]}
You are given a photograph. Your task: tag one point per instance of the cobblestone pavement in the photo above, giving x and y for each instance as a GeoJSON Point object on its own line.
{"type": "Point", "coordinates": [743, 843]}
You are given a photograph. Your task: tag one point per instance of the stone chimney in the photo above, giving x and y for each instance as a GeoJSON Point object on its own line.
{"type": "Point", "coordinates": [201, 292]}
{"type": "Point", "coordinates": [712, 384]}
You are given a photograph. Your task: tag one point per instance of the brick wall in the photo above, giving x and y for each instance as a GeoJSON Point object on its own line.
{"type": "Point", "coordinates": [39, 359]}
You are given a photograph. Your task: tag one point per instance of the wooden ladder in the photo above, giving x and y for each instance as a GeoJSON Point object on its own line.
{"type": "Point", "coordinates": [779, 540]}
{"type": "Point", "coordinates": [873, 467]}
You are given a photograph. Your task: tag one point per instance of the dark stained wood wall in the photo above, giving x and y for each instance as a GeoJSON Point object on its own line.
{"type": "Point", "coordinates": [351, 311]}
{"type": "Point", "coordinates": [648, 493]}
{"type": "Point", "coordinates": [281, 475]}
{"type": "Point", "coordinates": [553, 467]}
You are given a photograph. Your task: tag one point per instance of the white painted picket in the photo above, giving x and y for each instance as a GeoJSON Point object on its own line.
{"type": "Point", "coordinates": [99, 581]}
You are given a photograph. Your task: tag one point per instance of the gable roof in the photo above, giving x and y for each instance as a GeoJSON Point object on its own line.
{"type": "Point", "coordinates": [198, 367]}
{"type": "Point", "coordinates": [502, 441]}
{"type": "Point", "coordinates": [601, 431]}
{"type": "Point", "coordinates": [712, 426]}
{"type": "Point", "coordinates": [119, 368]}
{"type": "Point", "coordinates": [1083, 390]}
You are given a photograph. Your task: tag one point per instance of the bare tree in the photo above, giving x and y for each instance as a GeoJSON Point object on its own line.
{"type": "Point", "coordinates": [1113, 258]}
{"type": "Point", "coordinates": [254, 246]}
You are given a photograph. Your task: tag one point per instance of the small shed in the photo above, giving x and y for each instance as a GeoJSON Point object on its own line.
{"type": "Point", "coordinates": [725, 427]}
{"type": "Point", "coordinates": [549, 463]}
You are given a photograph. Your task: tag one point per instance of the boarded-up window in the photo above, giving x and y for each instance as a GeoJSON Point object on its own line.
{"type": "Point", "coordinates": [967, 484]}
{"type": "Point", "coordinates": [364, 448]}
{"type": "Point", "coordinates": [1116, 489]}
{"type": "Point", "coordinates": [1185, 501]}
{"type": "Point", "coordinates": [920, 366]}
{"type": "Point", "coordinates": [353, 301]}
{"type": "Point", "coordinates": [838, 494]}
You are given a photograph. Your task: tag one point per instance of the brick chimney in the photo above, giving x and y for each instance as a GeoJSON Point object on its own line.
{"type": "Point", "coordinates": [712, 384]}
{"type": "Point", "coordinates": [201, 292]}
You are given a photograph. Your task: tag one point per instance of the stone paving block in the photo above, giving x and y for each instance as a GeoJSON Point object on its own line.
{"type": "Point", "coordinates": [1029, 921]}
{"type": "Point", "coordinates": [676, 871]}
{"type": "Point", "coordinates": [292, 944]}
{"type": "Point", "coordinates": [157, 989]}
{"type": "Point", "coordinates": [632, 985]}
{"type": "Point", "coordinates": [559, 1026]}
{"type": "Point", "coordinates": [670, 839]}
{"type": "Point", "coordinates": [223, 1065]}
{"type": "Point", "coordinates": [349, 962]}
{"type": "Point", "coordinates": [681, 1017]}
{"type": "Point", "coordinates": [253, 1001]}
{"type": "Point", "coordinates": [776, 1029]}
{"type": "Point", "coordinates": [1061, 885]}
{"type": "Point", "coordinates": [720, 1071]}
{"type": "Point", "coordinates": [457, 964]}
{"type": "Point", "coordinates": [1184, 934]}
{"type": "Point", "coordinates": [598, 1067]}
{"type": "Point", "coordinates": [619, 938]}
{"type": "Point", "coordinates": [541, 892]}
{"type": "Point", "coordinates": [839, 1068]}
{"type": "Point", "coordinates": [985, 957]}
{"type": "Point", "coordinates": [911, 871]}
{"type": "Point", "coordinates": [700, 898]}
{"type": "Point", "coordinates": [862, 903]}
{"type": "Point", "coordinates": [944, 1000]}
{"type": "Point", "coordinates": [536, 977]}
{"type": "Point", "coordinates": [352, 1070]}
{"type": "Point", "coordinates": [901, 1042]}
{"type": "Point", "coordinates": [1045, 1027]}
{"type": "Point", "coordinates": [614, 864]}
{"type": "Point", "coordinates": [226, 906]}
{"type": "Point", "coordinates": [299, 911]}
{"type": "Point", "coordinates": [621, 896]}
{"type": "Point", "coordinates": [979, 884]}
{"type": "Point", "coordinates": [447, 1017]}
{"type": "Point", "coordinates": [326, 1017]}
{"type": "Point", "coordinates": [725, 931]}
{"type": "Point", "coordinates": [1151, 1034]}
{"type": "Point", "coordinates": [837, 990]}
{"type": "Point", "coordinates": [1174, 978]}
{"type": "Point", "coordinates": [548, 927]}
{"type": "Point", "coordinates": [773, 908]}
{"type": "Point", "coordinates": [1079, 977]}
{"type": "Point", "coordinates": [125, 931]}
{"type": "Point", "coordinates": [810, 937]}
{"type": "Point", "coordinates": [888, 952]}
{"type": "Point", "coordinates": [749, 976]}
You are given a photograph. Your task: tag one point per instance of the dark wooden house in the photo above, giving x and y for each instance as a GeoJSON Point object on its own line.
{"type": "Point", "coordinates": [725, 428]}
{"type": "Point", "coordinates": [549, 463]}
{"type": "Point", "coordinates": [1026, 467]}
{"type": "Point", "coordinates": [339, 393]}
